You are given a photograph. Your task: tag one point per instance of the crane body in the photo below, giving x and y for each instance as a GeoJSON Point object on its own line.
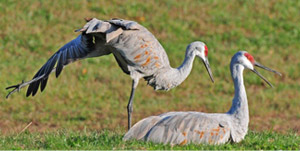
{"type": "Point", "coordinates": [179, 128]}
{"type": "Point", "coordinates": [136, 50]}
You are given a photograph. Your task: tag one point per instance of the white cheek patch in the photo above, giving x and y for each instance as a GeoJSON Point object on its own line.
{"type": "Point", "coordinates": [248, 64]}
{"type": "Point", "coordinates": [198, 53]}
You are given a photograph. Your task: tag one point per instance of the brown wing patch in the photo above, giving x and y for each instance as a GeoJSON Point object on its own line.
{"type": "Point", "coordinates": [201, 133]}
{"type": "Point", "coordinates": [224, 131]}
{"type": "Point", "coordinates": [147, 61]}
{"type": "Point", "coordinates": [156, 58]}
{"type": "Point", "coordinates": [210, 141]}
{"type": "Point", "coordinates": [221, 136]}
{"type": "Point", "coordinates": [216, 129]}
{"type": "Point", "coordinates": [157, 65]}
{"type": "Point", "coordinates": [137, 56]}
{"type": "Point", "coordinates": [146, 52]}
{"type": "Point", "coordinates": [183, 142]}
{"type": "Point", "coordinates": [144, 46]}
{"type": "Point", "coordinates": [184, 133]}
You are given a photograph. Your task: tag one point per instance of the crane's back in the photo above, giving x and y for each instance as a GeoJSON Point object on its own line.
{"type": "Point", "coordinates": [140, 50]}
{"type": "Point", "coordinates": [182, 128]}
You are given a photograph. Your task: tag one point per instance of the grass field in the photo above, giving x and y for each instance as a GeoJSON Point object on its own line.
{"type": "Point", "coordinates": [91, 95]}
{"type": "Point", "coordinates": [107, 139]}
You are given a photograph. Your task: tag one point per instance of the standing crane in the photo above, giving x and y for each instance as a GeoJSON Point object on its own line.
{"type": "Point", "coordinates": [197, 127]}
{"type": "Point", "coordinates": [137, 51]}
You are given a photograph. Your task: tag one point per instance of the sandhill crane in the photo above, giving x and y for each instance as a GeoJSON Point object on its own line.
{"type": "Point", "coordinates": [197, 127]}
{"type": "Point", "coordinates": [136, 50]}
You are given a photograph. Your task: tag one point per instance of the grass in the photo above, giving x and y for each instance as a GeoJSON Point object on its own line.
{"type": "Point", "coordinates": [92, 94]}
{"type": "Point", "coordinates": [107, 139]}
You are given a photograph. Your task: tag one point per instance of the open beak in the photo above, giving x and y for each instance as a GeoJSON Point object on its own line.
{"type": "Point", "coordinates": [206, 64]}
{"type": "Point", "coordinates": [266, 68]}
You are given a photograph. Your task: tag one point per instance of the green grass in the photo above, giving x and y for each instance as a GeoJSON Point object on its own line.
{"type": "Point", "coordinates": [107, 140]}
{"type": "Point", "coordinates": [31, 31]}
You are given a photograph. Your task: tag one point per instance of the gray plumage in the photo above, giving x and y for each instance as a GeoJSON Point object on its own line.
{"type": "Point", "coordinates": [179, 128]}
{"type": "Point", "coordinates": [136, 50]}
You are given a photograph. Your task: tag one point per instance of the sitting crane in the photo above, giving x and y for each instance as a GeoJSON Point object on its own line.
{"type": "Point", "coordinates": [136, 50]}
{"type": "Point", "coordinates": [179, 128]}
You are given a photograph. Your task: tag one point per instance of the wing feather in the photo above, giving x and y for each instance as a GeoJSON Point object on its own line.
{"type": "Point", "coordinates": [74, 50]}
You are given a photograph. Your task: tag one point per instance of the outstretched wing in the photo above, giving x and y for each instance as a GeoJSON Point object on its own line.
{"type": "Point", "coordinates": [181, 128]}
{"type": "Point", "coordinates": [85, 45]}
{"type": "Point", "coordinates": [74, 50]}
{"type": "Point", "coordinates": [91, 43]}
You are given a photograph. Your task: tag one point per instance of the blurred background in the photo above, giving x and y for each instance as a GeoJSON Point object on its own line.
{"type": "Point", "coordinates": [92, 94]}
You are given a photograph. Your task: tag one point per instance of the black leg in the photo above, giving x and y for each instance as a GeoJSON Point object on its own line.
{"type": "Point", "coordinates": [129, 106]}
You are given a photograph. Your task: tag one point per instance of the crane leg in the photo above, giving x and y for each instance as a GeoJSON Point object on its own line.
{"type": "Point", "coordinates": [129, 106]}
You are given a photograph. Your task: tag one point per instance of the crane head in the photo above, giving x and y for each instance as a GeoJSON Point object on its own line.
{"type": "Point", "coordinates": [201, 51]}
{"type": "Point", "coordinates": [247, 60]}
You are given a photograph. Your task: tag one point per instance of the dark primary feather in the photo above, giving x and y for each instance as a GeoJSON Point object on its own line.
{"type": "Point", "coordinates": [74, 50]}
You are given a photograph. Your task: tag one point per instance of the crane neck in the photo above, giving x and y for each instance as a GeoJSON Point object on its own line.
{"type": "Point", "coordinates": [239, 108]}
{"type": "Point", "coordinates": [169, 77]}
{"type": "Point", "coordinates": [186, 67]}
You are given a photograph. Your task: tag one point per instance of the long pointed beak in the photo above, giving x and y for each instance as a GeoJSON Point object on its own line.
{"type": "Point", "coordinates": [206, 64]}
{"type": "Point", "coordinates": [266, 68]}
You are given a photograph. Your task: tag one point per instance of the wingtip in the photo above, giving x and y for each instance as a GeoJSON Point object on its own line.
{"type": "Point", "coordinates": [29, 91]}
{"type": "Point", "coordinates": [35, 90]}
{"type": "Point", "coordinates": [28, 94]}
{"type": "Point", "coordinates": [58, 71]}
{"type": "Point", "coordinates": [9, 87]}
{"type": "Point", "coordinates": [44, 84]}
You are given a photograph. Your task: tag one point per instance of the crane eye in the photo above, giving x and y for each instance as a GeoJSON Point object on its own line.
{"type": "Point", "coordinates": [249, 57]}
{"type": "Point", "coordinates": [206, 51]}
